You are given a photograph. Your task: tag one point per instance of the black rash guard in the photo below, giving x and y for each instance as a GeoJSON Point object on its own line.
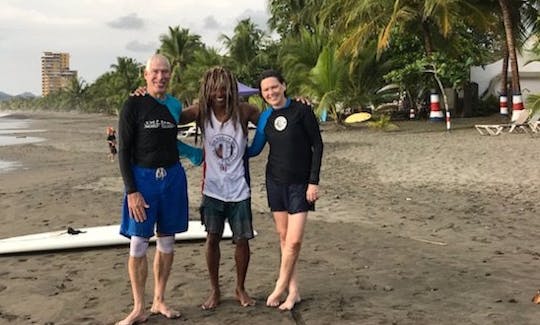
{"type": "Point", "coordinates": [146, 137]}
{"type": "Point", "coordinates": [296, 146]}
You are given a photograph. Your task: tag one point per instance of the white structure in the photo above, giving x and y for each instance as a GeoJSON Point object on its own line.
{"type": "Point", "coordinates": [488, 77]}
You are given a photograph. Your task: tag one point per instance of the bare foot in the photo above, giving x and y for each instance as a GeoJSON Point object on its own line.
{"type": "Point", "coordinates": [134, 318]}
{"type": "Point", "coordinates": [159, 308]}
{"type": "Point", "coordinates": [244, 299]}
{"type": "Point", "coordinates": [212, 301]}
{"type": "Point", "coordinates": [290, 302]}
{"type": "Point", "coordinates": [273, 299]}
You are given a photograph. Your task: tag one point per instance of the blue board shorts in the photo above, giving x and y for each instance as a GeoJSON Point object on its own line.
{"type": "Point", "coordinates": [165, 191]}
{"type": "Point", "coordinates": [287, 197]}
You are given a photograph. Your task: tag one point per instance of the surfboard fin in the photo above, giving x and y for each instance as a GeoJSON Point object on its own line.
{"type": "Point", "coordinates": [73, 231]}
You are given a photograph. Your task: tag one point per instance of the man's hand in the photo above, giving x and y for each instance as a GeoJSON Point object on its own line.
{"type": "Point", "coordinates": [141, 91]}
{"type": "Point", "coordinates": [303, 100]}
{"type": "Point", "coordinates": [312, 193]}
{"type": "Point", "coordinates": [136, 206]}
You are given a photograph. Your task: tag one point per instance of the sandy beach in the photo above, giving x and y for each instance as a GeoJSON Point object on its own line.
{"type": "Point", "coordinates": [414, 226]}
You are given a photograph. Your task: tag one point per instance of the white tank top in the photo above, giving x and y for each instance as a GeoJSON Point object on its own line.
{"type": "Point", "coordinates": [225, 173]}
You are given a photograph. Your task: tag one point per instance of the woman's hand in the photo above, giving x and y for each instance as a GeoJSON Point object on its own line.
{"type": "Point", "coordinates": [312, 193]}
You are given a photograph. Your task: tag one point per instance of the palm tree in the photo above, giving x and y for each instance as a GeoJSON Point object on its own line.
{"type": "Point", "coordinates": [432, 21]}
{"type": "Point", "coordinates": [533, 101]}
{"type": "Point", "coordinates": [127, 73]}
{"type": "Point", "coordinates": [506, 10]}
{"type": "Point", "coordinates": [124, 78]}
{"type": "Point", "coordinates": [244, 48]}
{"type": "Point", "coordinates": [289, 17]}
{"type": "Point", "coordinates": [299, 54]}
{"type": "Point", "coordinates": [360, 22]}
{"type": "Point", "coordinates": [520, 19]}
{"type": "Point", "coordinates": [202, 60]}
{"type": "Point", "coordinates": [327, 82]}
{"type": "Point", "coordinates": [76, 93]}
{"type": "Point", "coordinates": [312, 67]}
{"type": "Point", "coordinates": [179, 47]}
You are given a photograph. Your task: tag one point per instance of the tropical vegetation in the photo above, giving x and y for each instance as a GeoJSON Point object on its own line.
{"type": "Point", "coordinates": [340, 53]}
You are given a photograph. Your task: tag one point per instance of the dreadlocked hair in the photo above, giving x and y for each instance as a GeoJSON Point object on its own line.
{"type": "Point", "coordinates": [215, 78]}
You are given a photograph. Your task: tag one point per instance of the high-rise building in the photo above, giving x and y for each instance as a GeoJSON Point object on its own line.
{"type": "Point", "coordinates": [55, 73]}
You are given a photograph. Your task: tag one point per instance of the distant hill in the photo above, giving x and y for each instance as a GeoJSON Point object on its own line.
{"type": "Point", "coordinates": [4, 96]}
{"type": "Point", "coordinates": [26, 94]}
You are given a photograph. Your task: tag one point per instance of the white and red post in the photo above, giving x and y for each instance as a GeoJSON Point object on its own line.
{"type": "Point", "coordinates": [435, 113]}
{"type": "Point", "coordinates": [517, 106]}
{"type": "Point", "coordinates": [448, 125]}
{"type": "Point", "coordinates": [503, 104]}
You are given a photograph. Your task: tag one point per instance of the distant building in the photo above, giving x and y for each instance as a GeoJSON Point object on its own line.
{"type": "Point", "coordinates": [489, 77]}
{"type": "Point", "coordinates": [55, 73]}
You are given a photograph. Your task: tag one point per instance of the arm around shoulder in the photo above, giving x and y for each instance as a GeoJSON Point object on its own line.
{"type": "Point", "coordinates": [190, 114]}
{"type": "Point", "coordinates": [251, 113]}
{"type": "Point", "coordinates": [260, 137]}
{"type": "Point", "coordinates": [194, 154]}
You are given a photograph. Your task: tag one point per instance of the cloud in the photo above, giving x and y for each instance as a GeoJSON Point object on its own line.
{"type": "Point", "coordinates": [211, 23]}
{"type": "Point", "coordinates": [136, 46]}
{"type": "Point", "coordinates": [259, 18]}
{"type": "Point", "coordinates": [13, 15]}
{"type": "Point", "coordinates": [131, 21]}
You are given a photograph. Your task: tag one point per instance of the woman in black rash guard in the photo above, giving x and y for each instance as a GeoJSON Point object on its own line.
{"type": "Point", "coordinates": [292, 177]}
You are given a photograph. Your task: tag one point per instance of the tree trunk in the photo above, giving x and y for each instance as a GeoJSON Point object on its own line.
{"type": "Point", "coordinates": [503, 95]}
{"type": "Point", "coordinates": [504, 73]}
{"type": "Point", "coordinates": [510, 42]}
{"type": "Point", "coordinates": [428, 44]}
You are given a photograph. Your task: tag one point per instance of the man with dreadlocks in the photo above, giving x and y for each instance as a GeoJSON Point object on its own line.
{"type": "Point", "coordinates": [223, 119]}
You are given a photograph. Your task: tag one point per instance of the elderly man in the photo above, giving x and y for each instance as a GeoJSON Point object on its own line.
{"type": "Point", "coordinates": [155, 185]}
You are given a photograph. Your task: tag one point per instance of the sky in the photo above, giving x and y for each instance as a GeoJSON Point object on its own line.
{"type": "Point", "coordinates": [96, 32]}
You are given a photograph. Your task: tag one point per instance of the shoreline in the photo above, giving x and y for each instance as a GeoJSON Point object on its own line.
{"type": "Point", "coordinates": [415, 226]}
{"type": "Point", "coordinates": [13, 130]}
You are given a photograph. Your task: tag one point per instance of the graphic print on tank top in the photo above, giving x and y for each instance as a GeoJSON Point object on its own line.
{"type": "Point", "coordinates": [225, 150]}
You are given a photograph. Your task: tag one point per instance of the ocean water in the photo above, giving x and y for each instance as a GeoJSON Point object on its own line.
{"type": "Point", "coordinates": [8, 140]}
{"type": "Point", "coordinates": [6, 166]}
{"type": "Point", "coordinates": [12, 132]}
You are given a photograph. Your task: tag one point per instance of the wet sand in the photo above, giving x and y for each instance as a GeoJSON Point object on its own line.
{"type": "Point", "coordinates": [415, 226]}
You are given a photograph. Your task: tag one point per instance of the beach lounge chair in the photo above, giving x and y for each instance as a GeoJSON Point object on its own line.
{"type": "Point", "coordinates": [534, 122]}
{"type": "Point", "coordinates": [191, 131]}
{"type": "Point", "coordinates": [519, 124]}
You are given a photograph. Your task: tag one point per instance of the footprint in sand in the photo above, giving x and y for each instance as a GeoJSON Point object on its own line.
{"type": "Point", "coordinates": [8, 317]}
{"type": "Point", "coordinates": [178, 286]}
{"type": "Point", "coordinates": [92, 302]}
{"type": "Point", "coordinates": [85, 320]}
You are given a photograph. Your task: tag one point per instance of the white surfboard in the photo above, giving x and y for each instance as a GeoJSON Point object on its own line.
{"type": "Point", "coordinates": [88, 237]}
